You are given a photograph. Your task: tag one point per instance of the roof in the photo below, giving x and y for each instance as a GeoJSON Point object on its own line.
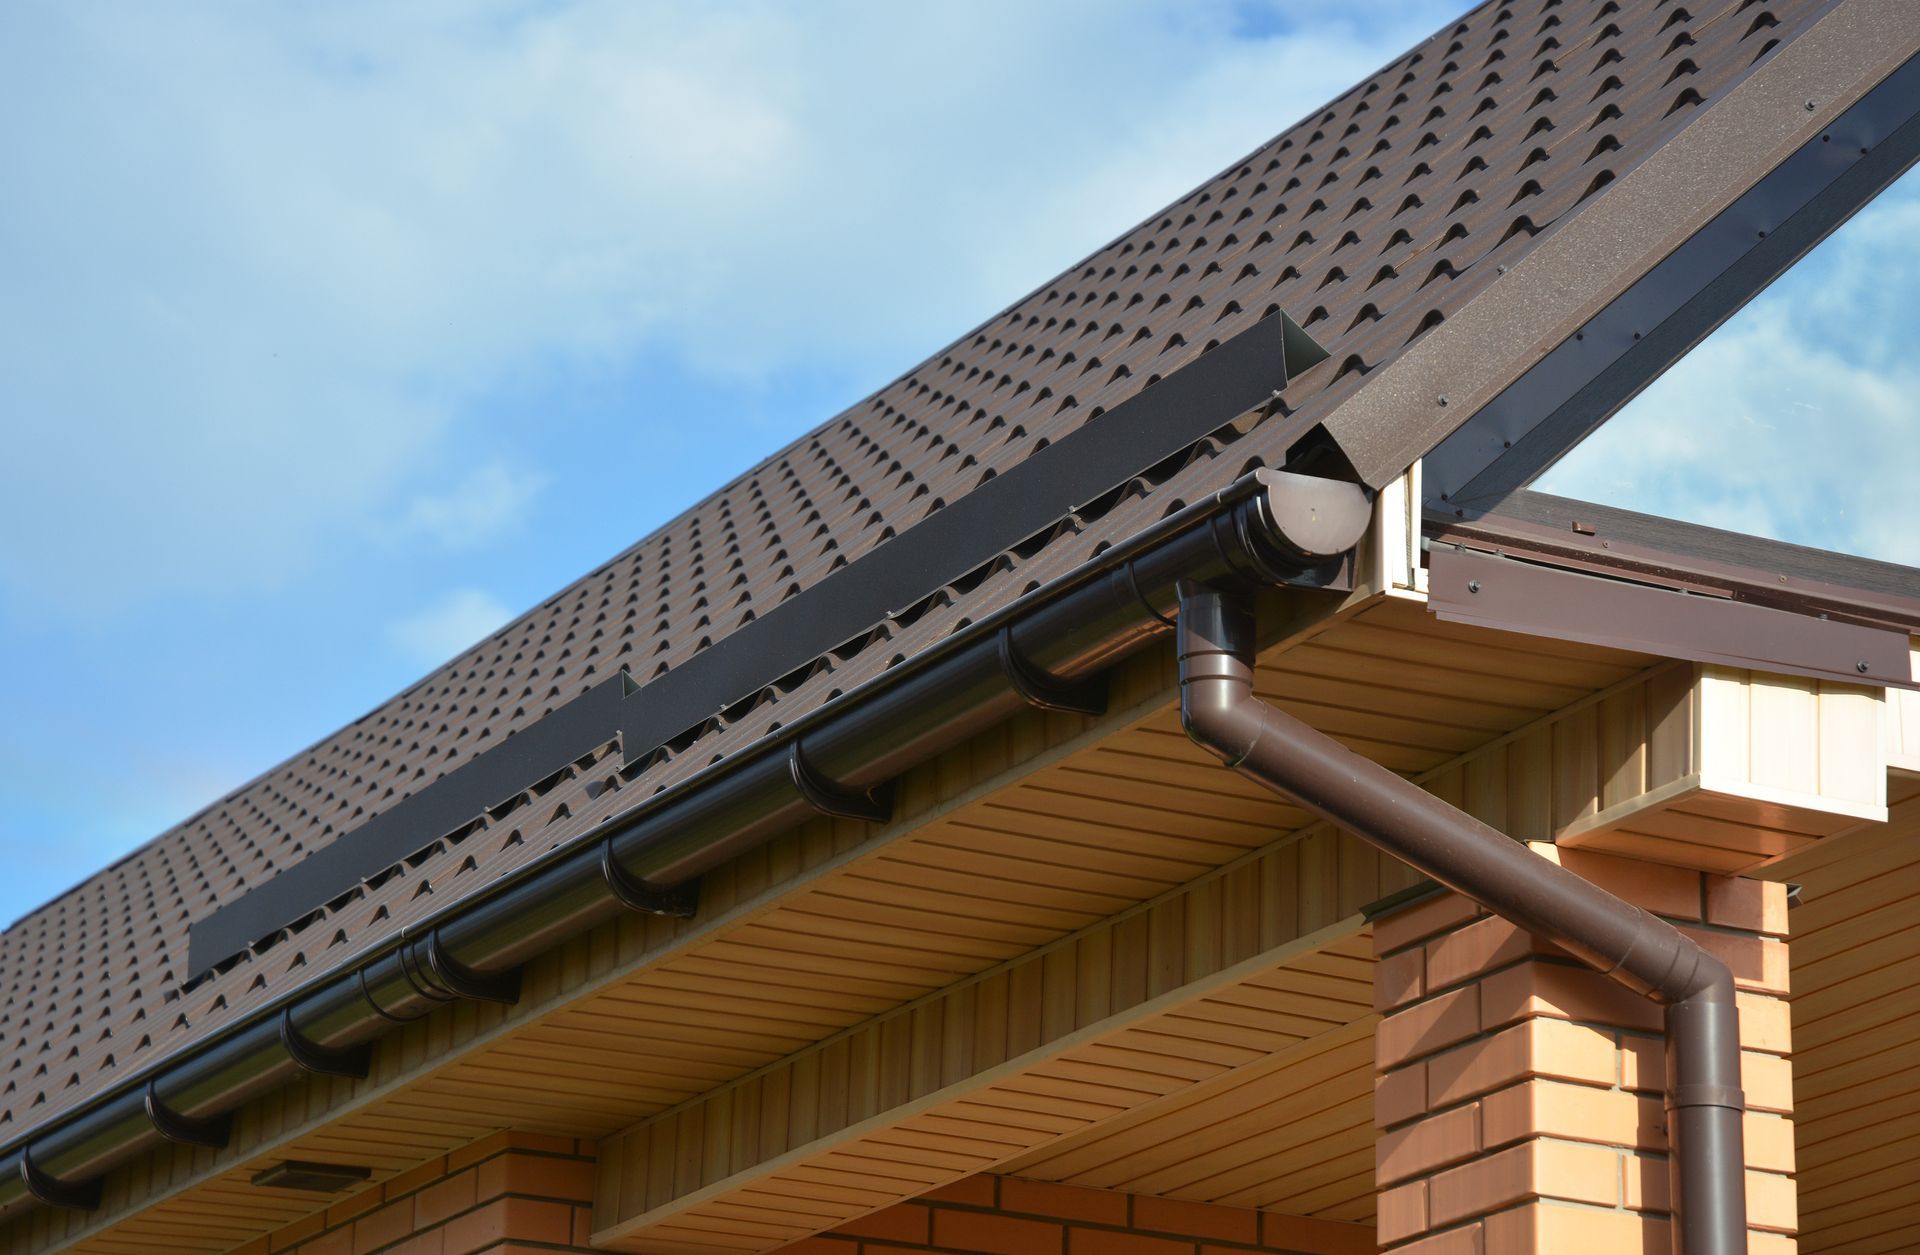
{"type": "Point", "coordinates": [1371, 222]}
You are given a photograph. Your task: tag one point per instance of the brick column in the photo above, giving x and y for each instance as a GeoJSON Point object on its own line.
{"type": "Point", "coordinates": [1003, 1215]}
{"type": "Point", "coordinates": [510, 1192]}
{"type": "Point", "coordinates": [1519, 1093]}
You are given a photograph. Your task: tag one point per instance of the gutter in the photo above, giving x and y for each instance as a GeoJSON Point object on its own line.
{"type": "Point", "coordinates": [1048, 650]}
{"type": "Point", "coordinates": [1706, 1156]}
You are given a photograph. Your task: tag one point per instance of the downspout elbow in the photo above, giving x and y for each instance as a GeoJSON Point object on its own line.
{"type": "Point", "coordinates": [1217, 705]}
{"type": "Point", "coordinates": [1663, 964]}
{"type": "Point", "coordinates": [1222, 714]}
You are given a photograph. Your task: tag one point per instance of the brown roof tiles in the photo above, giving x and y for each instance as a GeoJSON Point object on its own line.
{"type": "Point", "coordinates": [1369, 222]}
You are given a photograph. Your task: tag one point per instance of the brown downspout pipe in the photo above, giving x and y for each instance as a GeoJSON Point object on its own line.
{"type": "Point", "coordinates": [1648, 955]}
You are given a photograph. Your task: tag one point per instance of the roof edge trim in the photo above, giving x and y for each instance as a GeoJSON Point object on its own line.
{"type": "Point", "coordinates": [1511, 594]}
{"type": "Point", "coordinates": [1419, 399]}
{"type": "Point", "coordinates": [1612, 541]}
{"type": "Point", "coordinates": [1624, 347]}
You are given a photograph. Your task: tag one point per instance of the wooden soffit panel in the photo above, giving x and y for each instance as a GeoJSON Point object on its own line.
{"type": "Point", "coordinates": [1066, 1042]}
{"type": "Point", "coordinates": [1046, 826]}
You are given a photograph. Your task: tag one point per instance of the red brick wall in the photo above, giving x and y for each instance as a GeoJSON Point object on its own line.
{"type": "Point", "coordinates": [989, 1215]}
{"type": "Point", "coordinates": [509, 1194]}
{"type": "Point", "coordinates": [516, 1194]}
{"type": "Point", "coordinates": [1519, 1091]}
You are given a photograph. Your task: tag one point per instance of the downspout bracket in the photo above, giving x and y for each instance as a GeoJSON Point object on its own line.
{"type": "Point", "coordinates": [1706, 1096]}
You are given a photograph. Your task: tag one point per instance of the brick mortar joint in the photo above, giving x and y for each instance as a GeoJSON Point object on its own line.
{"type": "Point", "coordinates": [1701, 921]}
{"type": "Point", "coordinates": [1621, 1037]}
{"type": "Point", "coordinates": [1521, 1083]}
{"type": "Point", "coordinates": [1480, 977]}
{"type": "Point", "coordinates": [1574, 1204]}
{"type": "Point", "coordinates": [863, 1244]}
{"type": "Point", "coordinates": [1621, 1033]}
{"type": "Point", "coordinates": [1132, 1224]}
{"type": "Point", "coordinates": [1484, 1035]}
{"type": "Point", "coordinates": [1526, 1139]}
{"type": "Point", "coordinates": [477, 1164]}
{"type": "Point", "coordinates": [481, 1205]}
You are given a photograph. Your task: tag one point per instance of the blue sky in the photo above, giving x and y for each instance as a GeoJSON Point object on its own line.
{"type": "Point", "coordinates": [333, 336]}
{"type": "Point", "coordinates": [1800, 417]}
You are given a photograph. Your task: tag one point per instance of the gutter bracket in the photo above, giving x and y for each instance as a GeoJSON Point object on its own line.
{"type": "Point", "coordinates": [310, 1056]}
{"type": "Point", "coordinates": [829, 798]}
{"type": "Point", "coordinates": [186, 1130]}
{"type": "Point", "coordinates": [674, 901]}
{"type": "Point", "coordinates": [464, 982]}
{"type": "Point", "coordinates": [1047, 692]}
{"type": "Point", "coordinates": [366, 995]}
{"type": "Point", "coordinates": [57, 1193]}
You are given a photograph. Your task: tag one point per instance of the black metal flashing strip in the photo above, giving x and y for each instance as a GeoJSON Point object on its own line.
{"type": "Point", "coordinates": [1046, 692]}
{"type": "Point", "coordinates": [57, 1193]}
{"type": "Point", "coordinates": [829, 798]}
{"type": "Point", "coordinates": [1097, 457]}
{"type": "Point", "coordinates": [403, 829]}
{"type": "Point", "coordinates": [1234, 377]}
{"type": "Point", "coordinates": [312, 1057]}
{"type": "Point", "coordinates": [185, 1130]}
{"type": "Point", "coordinates": [1559, 401]}
{"type": "Point", "coordinates": [1465, 586]}
{"type": "Point", "coordinates": [1267, 526]}
{"type": "Point", "coordinates": [675, 901]}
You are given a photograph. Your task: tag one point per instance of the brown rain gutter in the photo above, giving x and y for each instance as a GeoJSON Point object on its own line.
{"type": "Point", "coordinates": [1704, 1101]}
{"type": "Point", "coordinates": [1048, 651]}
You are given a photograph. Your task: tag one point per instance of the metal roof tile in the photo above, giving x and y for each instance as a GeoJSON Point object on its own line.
{"type": "Point", "coordinates": [1366, 221]}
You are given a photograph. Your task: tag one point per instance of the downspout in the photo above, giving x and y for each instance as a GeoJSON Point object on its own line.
{"type": "Point", "coordinates": [1704, 1101]}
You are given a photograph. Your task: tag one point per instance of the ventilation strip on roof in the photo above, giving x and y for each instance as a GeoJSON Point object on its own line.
{"type": "Point", "coordinates": [1101, 455]}
{"type": "Point", "coordinates": [1268, 527]}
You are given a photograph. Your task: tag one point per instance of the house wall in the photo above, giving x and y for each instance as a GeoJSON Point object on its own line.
{"type": "Point", "coordinates": [506, 1194]}
{"type": "Point", "coordinates": [1519, 1091]}
{"type": "Point", "coordinates": [514, 1194]}
{"type": "Point", "coordinates": [1006, 1215]}
{"type": "Point", "coordinates": [1856, 1030]}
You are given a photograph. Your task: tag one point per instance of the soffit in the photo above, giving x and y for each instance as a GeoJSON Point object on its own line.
{"type": "Point", "coordinates": [1051, 824]}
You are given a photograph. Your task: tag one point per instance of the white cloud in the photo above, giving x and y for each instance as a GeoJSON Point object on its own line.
{"type": "Point", "coordinates": [263, 262]}
{"type": "Point", "coordinates": [439, 631]}
{"type": "Point", "coordinates": [489, 501]}
{"type": "Point", "coordinates": [1799, 418]}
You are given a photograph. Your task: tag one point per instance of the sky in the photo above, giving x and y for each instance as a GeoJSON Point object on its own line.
{"type": "Point", "coordinates": [1799, 419]}
{"type": "Point", "coordinates": [334, 336]}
